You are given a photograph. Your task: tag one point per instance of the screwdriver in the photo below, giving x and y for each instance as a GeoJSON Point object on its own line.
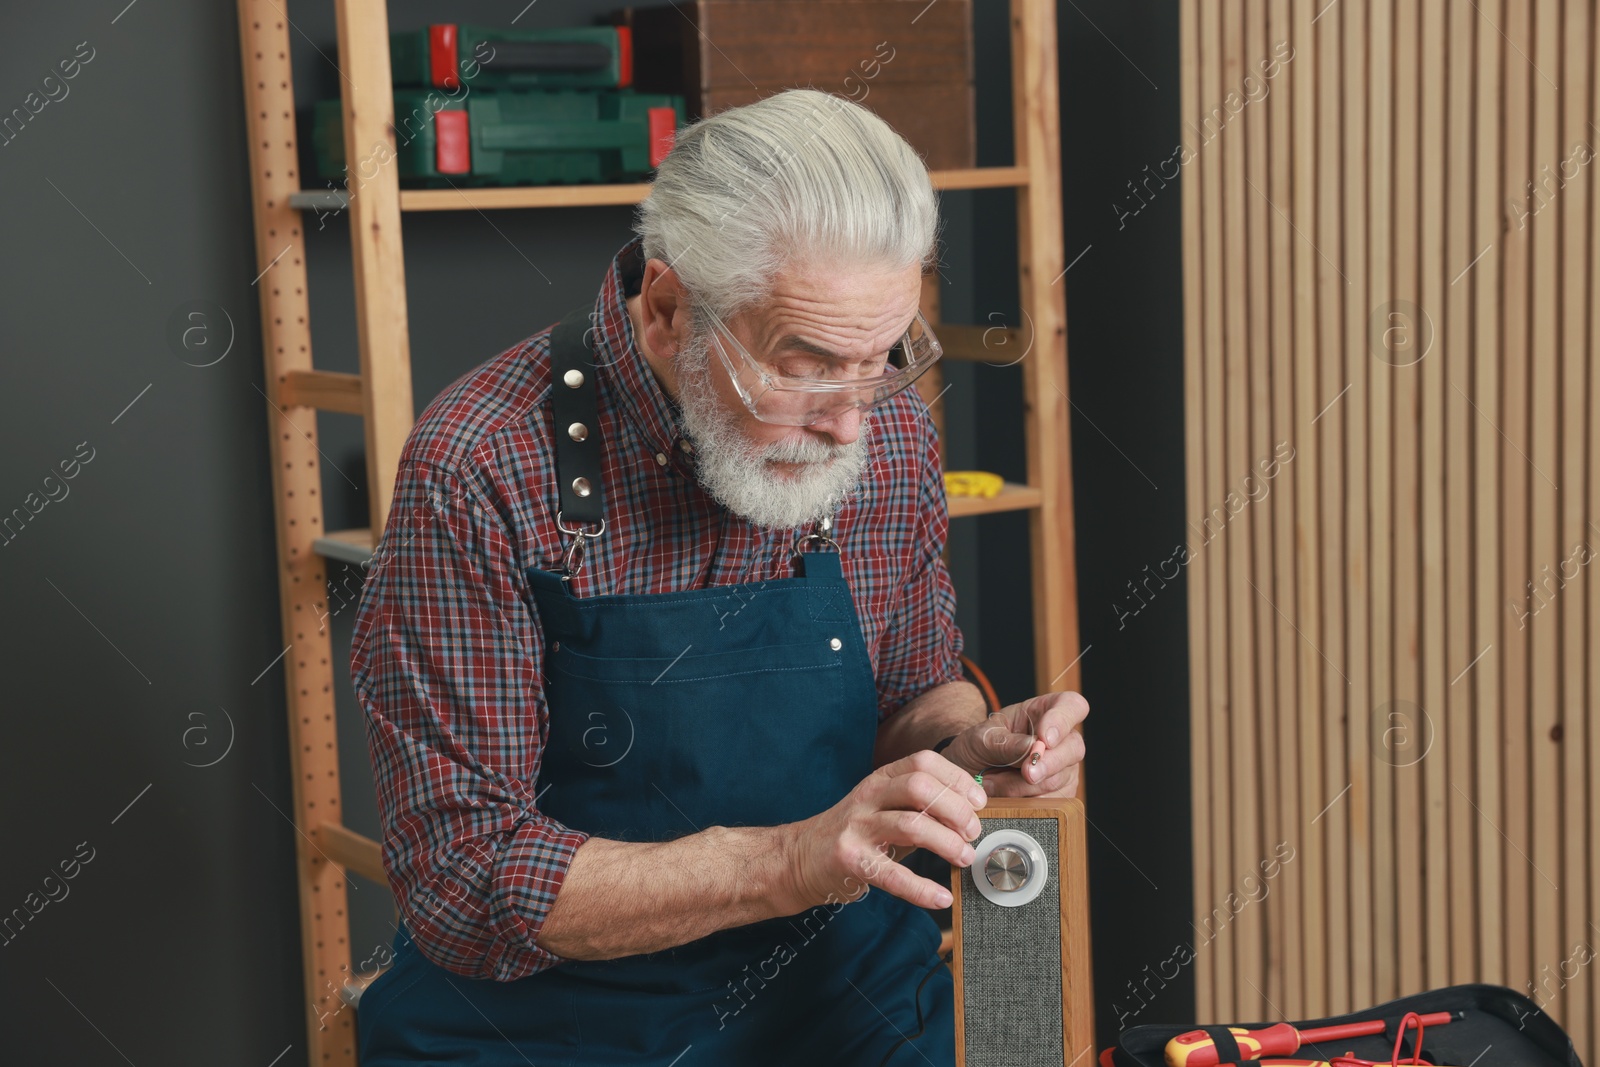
{"type": "Point", "coordinates": [1196, 1049]}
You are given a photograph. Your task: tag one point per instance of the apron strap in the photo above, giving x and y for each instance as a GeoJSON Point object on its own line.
{"type": "Point", "coordinates": [820, 565]}
{"type": "Point", "coordinates": [579, 452]}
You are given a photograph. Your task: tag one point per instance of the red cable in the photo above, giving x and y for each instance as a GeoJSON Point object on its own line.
{"type": "Point", "coordinates": [1399, 1038]}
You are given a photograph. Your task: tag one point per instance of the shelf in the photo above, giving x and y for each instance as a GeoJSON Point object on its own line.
{"type": "Point", "coordinates": [346, 546]}
{"type": "Point", "coordinates": [490, 199]}
{"type": "Point", "coordinates": [1012, 497]}
{"type": "Point", "coordinates": [355, 546]}
{"type": "Point", "coordinates": [998, 346]}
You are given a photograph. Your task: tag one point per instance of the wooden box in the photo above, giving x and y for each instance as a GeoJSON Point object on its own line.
{"type": "Point", "coordinates": [907, 60]}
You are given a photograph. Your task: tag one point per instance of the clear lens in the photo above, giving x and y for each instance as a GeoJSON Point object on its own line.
{"type": "Point", "coordinates": [801, 399]}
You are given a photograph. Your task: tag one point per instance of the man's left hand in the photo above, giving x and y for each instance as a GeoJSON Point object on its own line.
{"type": "Point", "coordinates": [1003, 747]}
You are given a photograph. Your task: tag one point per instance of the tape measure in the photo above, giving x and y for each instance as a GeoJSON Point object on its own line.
{"type": "Point", "coordinates": [972, 483]}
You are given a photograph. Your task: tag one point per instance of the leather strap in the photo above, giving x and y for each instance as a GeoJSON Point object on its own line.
{"type": "Point", "coordinates": [577, 415]}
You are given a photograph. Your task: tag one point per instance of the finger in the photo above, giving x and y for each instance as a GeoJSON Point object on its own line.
{"type": "Point", "coordinates": [902, 882]}
{"type": "Point", "coordinates": [1057, 715]}
{"type": "Point", "coordinates": [997, 745]}
{"type": "Point", "coordinates": [924, 796]}
{"type": "Point", "coordinates": [918, 831]}
{"type": "Point", "coordinates": [1049, 762]}
{"type": "Point", "coordinates": [1012, 784]}
{"type": "Point", "coordinates": [932, 763]}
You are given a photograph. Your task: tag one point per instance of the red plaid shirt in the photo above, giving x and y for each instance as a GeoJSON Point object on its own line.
{"type": "Point", "coordinates": [447, 657]}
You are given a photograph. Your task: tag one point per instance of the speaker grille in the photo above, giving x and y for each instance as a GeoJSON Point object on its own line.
{"type": "Point", "coordinates": [1011, 965]}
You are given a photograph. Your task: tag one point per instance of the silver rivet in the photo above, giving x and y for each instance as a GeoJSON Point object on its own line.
{"type": "Point", "coordinates": [835, 644]}
{"type": "Point", "coordinates": [580, 486]}
{"type": "Point", "coordinates": [577, 431]}
{"type": "Point", "coordinates": [573, 378]}
{"type": "Point", "coordinates": [661, 458]}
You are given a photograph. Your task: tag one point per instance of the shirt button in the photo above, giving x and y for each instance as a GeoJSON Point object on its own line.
{"type": "Point", "coordinates": [685, 445]}
{"type": "Point", "coordinates": [661, 459]}
{"type": "Point", "coordinates": [835, 644]}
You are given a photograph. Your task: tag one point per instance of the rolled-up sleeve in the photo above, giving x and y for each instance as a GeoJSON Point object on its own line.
{"type": "Point", "coordinates": [446, 664]}
{"type": "Point", "coordinates": [921, 645]}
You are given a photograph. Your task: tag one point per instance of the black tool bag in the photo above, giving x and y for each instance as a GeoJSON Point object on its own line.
{"type": "Point", "coordinates": [1500, 1028]}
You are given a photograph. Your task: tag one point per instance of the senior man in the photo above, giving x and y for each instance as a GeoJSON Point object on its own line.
{"type": "Point", "coordinates": [658, 654]}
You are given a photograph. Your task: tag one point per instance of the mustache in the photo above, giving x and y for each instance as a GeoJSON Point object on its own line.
{"type": "Point", "coordinates": [802, 450]}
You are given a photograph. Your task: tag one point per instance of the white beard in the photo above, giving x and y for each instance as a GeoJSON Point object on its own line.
{"type": "Point", "coordinates": [735, 471]}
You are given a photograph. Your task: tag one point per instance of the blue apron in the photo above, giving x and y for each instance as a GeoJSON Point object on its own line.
{"type": "Point", "coordinates": [750, 704]}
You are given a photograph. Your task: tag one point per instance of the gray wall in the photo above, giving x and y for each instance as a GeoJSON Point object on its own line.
{"type": "Point", "coordinates": [144, 710]}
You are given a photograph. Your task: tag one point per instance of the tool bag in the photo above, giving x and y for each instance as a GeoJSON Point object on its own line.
{"type": "Point", "coordinates": [1499, 1028]}
{"type": "Point", "coordinates": [575, 57]}
{"type": "Point", "coordinates": [509, 137]}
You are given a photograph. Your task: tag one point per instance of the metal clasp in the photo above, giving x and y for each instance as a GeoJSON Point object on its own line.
{"type": "Point", "coordinates": [820, 534]}
{"type": "Point", "coordinates": [573, 561]}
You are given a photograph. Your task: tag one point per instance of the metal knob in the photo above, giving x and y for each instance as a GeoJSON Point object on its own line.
{"type": "Point", "coordinates": [1007, 869]}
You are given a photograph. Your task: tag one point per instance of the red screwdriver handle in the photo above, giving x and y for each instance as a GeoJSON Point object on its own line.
{"type": "Point", "coordinates": [1196, 1049]}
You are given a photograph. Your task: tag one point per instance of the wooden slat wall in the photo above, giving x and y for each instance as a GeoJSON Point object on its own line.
{"type": "Point", "coordinates": [1391, 253]}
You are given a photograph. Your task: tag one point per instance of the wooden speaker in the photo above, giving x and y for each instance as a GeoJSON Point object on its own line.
{"type": "Point", "coordinates": [1023, 991]}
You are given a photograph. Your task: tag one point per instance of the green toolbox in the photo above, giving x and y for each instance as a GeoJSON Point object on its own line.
{"type": "Point", "coordinates": [581, 57]}
{"type": "Point", "coordinates": [509, 137]}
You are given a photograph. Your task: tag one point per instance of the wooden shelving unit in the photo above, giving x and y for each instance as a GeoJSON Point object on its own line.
{"type": "Point", "coordinates": [381, 393]}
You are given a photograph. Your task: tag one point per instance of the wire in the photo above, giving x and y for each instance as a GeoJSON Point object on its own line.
{"type": "Point", "coordinates": [1399, 1038]}
{"type": "Point", "coordinates": [921, 1023]}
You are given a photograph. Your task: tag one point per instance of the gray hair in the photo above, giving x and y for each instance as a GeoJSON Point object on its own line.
{"type": "Point", "coordinates": [801, 177]}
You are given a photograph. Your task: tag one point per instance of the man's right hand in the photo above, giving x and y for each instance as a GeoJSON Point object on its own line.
{"type": "Point", "coordinates": [921, 801]}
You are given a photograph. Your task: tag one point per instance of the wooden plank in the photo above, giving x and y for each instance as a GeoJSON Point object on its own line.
{"type": "Point", "coordinates": [1012, 497]}
{"type": "Point", "coordinates": [1267, 982]}
{"type": "Point", "coordinates": [1200, 818]}
{"type": "Point", "coordinates": [1288, 992]}
{"type": "Point", "coordinates": [375, 249]}
{"type": "Point", "coordinates": [1455, 338]}
{"type": "Point", "coordinates": [557, 196]}
{"type": "Point", "coordinates": [998, 346]}
{"type": "Point", "coordinates": [1218, 945]}
{"type": "Point", "coordinates": [980, 178]}
{"type": "Point", "coordinates": [1046, 425]}
{"type": "Point", "coordinates": [347, 546]}
{"type": "Point", "coordinates": [302, 582]}
{"type": "Point", "coordinates": [1220, 941]}
{"type": "Point", "coordinates": [1380, 244]}
{"type": "Point", "coordinates": [1489, 611]}
{"type": "Point", "coordinates": [1591, 570]}
{"type": "Point", "coordinates": [517, 197]}
{"type": "Point", "coordinates": [1435, 866]}
{"type": "Point", "coordinates": [930, 386]}
{"type": "Point", "coordinates": [1517, 928]}
{"type": "Point", "coordinates": [356, 852]}
{"type": "Point", "coordinates": [1312, 856]}
{"type": "Point", "coordinates": [1357, 486]}
{"type": "Point", "coordinates": [1077, 970]}
{"type": "Point", "coordinates": [1575, 539]}
{"type": "Point", "coordinates": [1332, 286]}
{"type": "Point", "coordinates": [320, 389]}
{"type": "Point", "coordinates": [1244, 931]}
{"type": "Point", "coordinates": [1407, 719]}
{"type": "Point", "coordinates": [1545, 549]}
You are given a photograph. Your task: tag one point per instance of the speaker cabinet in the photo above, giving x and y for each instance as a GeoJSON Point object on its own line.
{"type": "Point", "coordinates": [1021, 938]}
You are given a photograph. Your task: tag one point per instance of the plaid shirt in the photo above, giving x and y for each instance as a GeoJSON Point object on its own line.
{"type": "Point", "coordinates": [447, 657]}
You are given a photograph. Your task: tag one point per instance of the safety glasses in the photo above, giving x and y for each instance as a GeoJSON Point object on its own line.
{"type": "Point", "coordinates": [801, 388]}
